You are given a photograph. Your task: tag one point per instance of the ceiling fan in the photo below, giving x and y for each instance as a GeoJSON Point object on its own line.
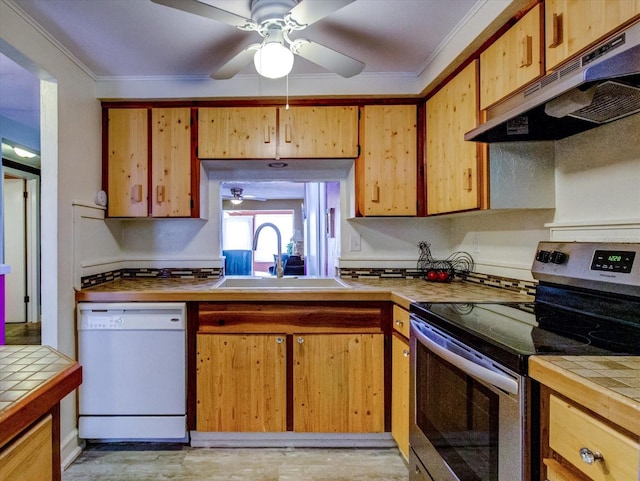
{"type": "Point", "coordinates": [275, 20]}
{"type": "Point", "coordinates": [237, 196]}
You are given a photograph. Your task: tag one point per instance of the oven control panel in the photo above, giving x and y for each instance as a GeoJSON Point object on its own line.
{"type": "Point", "coordinates": [612, 267]}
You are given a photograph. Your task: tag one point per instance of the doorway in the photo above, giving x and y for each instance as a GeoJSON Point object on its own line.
{"type": "Point", "coordinates": [310, 223]}
{"type": "Point", "coordinates": [21, 194]}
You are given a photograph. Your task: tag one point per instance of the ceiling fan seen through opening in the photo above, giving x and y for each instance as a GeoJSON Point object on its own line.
{"type": "Point", "coordinates": [275, 20]}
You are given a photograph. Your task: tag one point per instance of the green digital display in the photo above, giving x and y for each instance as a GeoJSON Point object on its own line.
{"type": "Point", "coordinates": [613, 261]}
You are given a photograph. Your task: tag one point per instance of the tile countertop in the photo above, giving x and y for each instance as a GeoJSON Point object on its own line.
{"type": "Point", "coordinates": [33, 379]}
{"type": "Point", "coordinates": [607, 385]}
{"type": "Point", "coordinates": [400, 291]}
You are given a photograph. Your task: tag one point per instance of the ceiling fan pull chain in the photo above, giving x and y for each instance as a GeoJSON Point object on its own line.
{"type": "Point", "coordinates": [286, 107]}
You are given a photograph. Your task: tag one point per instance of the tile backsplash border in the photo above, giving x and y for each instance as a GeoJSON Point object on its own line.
{"type": "Point", "coordinates": [489, 280]}
{"type": "Point", "coordinates": [146, 273]}
{"type": "Point", "coordinates": [515, 285]}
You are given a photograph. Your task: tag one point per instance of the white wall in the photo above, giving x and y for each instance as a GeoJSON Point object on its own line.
{"type": "Point", "coordinates": [598, 175]}
{"type": "Point", "coordinates": [71, 170]}
{"type": "Point", "coordinates": [597, 187]}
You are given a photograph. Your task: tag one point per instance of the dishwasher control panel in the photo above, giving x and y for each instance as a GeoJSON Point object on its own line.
{"type": "Point", "coordinates": [101, 322]}
{"type": "Point", "coordinates": [131, 316]}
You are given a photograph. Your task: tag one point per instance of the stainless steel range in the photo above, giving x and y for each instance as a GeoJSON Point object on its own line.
{"type": "Point", "coordinates": [473, 407]}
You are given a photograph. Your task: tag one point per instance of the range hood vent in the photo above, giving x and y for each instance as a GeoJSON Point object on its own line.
{"type": "Point", "coordinates": [601, 86]}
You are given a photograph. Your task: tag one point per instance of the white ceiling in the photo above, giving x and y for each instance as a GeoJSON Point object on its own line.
{"type": "Point", "coordinates": [137, 39]}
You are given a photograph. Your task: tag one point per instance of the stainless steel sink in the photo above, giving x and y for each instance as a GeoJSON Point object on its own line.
{"type": "Point", "coordinates": [280, 283]}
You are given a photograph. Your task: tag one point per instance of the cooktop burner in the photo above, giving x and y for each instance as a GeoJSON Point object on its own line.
{"type": "Point", "coordinates": [587, 303]}
{"type": "Point", "coordinates": [510, 332]}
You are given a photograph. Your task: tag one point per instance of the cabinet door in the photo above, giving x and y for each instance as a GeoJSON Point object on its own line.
{"type": "Point", "coordinates": [452, 163]}
{"type": "Point", "coordinates": [387, 169]}
{"type": "Point", "coordinates": [318, 132]}
{"type": "Point", "coordinates": [30, 457]}
{"type": "Point", "coordinates": [400, 393]}
{"type": "Point", "coordinates": [241, 383]}
{"type": "Point", "coordinates": [338, 383]}
{"type": "Point", "coordinates": [571, 26]}
{"type": "Point", "coordinates": [512, 61]}
{"type": "Point", "coordinates": [171, 162]}
{"type": "Point", "coordinates": [128, 160]}
{"type": "Point", "coordinates": [237, 133]}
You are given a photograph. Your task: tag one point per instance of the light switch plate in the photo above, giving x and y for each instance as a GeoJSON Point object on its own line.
{"type": "Point", "coordinates": [355, 242]}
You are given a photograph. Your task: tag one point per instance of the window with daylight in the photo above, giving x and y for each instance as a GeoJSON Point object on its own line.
{"type": "Point", "coordinates": [239, 228]}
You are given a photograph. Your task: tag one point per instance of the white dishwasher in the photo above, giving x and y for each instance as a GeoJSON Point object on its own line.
{"type": "Point", "coordinates": [133, 358]}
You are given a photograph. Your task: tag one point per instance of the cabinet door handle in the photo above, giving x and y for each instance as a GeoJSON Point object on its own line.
{"type": "Point", "coordinates": [136, 193]}
{"type": "Point", "coordinates": [556, 28]}
{"type": "Point", "coordinates": [279, 340]}
{"type": "Point", "coordinates": [590, 457]}
{"type": "Point", "coordinates": [468, 179]}
{"type": "Point", "coordinates": [287, 133]}
{"type": "Point", "coordinates": [399, 322]}
{"type": "Point", "coordinates": [526, 46]}
{"type": "Point", "coordinates": [375, 193]}
{"type": "Point", "coordinates": [159, 194]}
{"type": "Point", "coordinates": [405, 353]}
{"type": "Point", "coordinates": [300, 340]}
{"type": "Point", "coordinates": [267, 134]}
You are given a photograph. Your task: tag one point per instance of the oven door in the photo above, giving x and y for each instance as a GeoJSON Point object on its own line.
{"type": "Point", "coordinates": [468, 418]}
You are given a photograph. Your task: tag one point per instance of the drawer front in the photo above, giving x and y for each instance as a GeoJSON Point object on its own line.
{"type": "Point", "coordinates": [571, 429]}
{"type": "Point", "coordinates": [401, 321]}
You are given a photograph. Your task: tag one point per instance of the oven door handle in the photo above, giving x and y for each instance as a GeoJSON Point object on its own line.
{"type": "Point", "coordinates": [483, 374]}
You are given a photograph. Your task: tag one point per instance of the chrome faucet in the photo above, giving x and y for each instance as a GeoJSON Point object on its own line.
{"type": "Point", "coordinates": [279, 270]}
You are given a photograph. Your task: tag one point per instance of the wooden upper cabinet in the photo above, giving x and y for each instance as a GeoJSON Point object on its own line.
{"type": "Point", "coordinates": [272, 132]}
{"type": "Point", "coordinates": [171, 162]}
{"type": "Point", "coordinates": [318, 132]}
{"type": "Point", "coordinates": [571, 26]}
{"type": "Point", "coordinates": [128, 160]}
{"type": "Point", "coordinates": [386, 183]}
{"type": "Point", "coordinates": [514, 60]}
{"type": "Point", "coordinates": [452, 164]}
{"type": "Point", "coordinates": [132, 169]}
{"type": "Point", "coordinates": [338, 383]}
{"type": "Point", "coordinates": [237, 133]}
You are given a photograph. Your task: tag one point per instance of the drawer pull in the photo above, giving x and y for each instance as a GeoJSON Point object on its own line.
{"type": "Point", "coordinates": [399, 323]}
{"type": "Point", "coordinates": [590, 457]}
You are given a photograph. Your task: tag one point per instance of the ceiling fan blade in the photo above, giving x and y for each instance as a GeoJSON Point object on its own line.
{"type": "Point", "coordinates": [209, 11]}
{"type": "Point", "coordinates": [310, 11]}
{"type": "Point", "coordinates": [328, 58]}
{"type": "Point", "coordinates": [236, 64]}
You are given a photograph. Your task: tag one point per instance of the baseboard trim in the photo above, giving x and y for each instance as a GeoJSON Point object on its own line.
{"type": "Point", "coordinates": [70, 448]}
{"type": "Point", "coordinates": [291, 440]}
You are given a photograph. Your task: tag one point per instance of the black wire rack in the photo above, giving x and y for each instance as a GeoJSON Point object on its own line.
{"type": "Point", "coordinates": [443, 270]}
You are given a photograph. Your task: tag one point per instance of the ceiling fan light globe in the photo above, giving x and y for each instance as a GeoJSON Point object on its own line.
{"type": "Point", "coordinates": [236, 201]}
{"type": "Point", "coordinates": [273, 60]}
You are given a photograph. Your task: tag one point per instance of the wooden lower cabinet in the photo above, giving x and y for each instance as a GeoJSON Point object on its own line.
{"type": "Point", "coordinates": [241, 381]}
{"type": "Point", "coordinates": [568, 428]}
{"type": "Point", "coordinates": [337, 387]}
{"type": "Point", "coordinates": [338, 383]}
{"type": "Point", "coordinates": [301, 367]}
{"type": "Point", "coordinates": [30, 456]}
{"type": "Point", "coordinates": [400, 393]}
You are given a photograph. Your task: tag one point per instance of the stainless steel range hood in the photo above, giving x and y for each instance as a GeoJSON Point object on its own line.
{"type": "Point", "coordinates": [601, 86]}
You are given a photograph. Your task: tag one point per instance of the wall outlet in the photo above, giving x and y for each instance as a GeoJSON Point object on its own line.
{"type": "Point", "coordinates": [355, 242]}
{"type": "Point", "coordinates": [476, 243]}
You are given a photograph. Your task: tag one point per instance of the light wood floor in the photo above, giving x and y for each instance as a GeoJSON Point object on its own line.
{"type": "Point", "coordinates": [179, 463]}
{"type": "Point", "coordinates": [22, 333]}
